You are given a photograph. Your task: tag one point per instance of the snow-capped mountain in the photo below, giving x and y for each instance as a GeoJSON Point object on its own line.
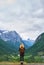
{"type": "Point", "coordinates": [9, 35]}
{"type": "Point", "coordinates": [14, 37]}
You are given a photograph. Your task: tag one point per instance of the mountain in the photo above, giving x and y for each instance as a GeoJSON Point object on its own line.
{"type": "Point", "coordinates": [11, 37]}
{"type": "Point", "coordinates": [38, 45]}
{"type": "Point", "coordinates": [6, 48]}
{"type": "Point", "coordinates": [28, 42]}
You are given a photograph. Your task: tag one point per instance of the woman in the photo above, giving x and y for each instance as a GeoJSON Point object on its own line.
{"type": "Point", "coordinates": [22, 51]}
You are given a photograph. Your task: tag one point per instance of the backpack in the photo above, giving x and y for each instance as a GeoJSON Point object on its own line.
{"type": "Point", "coordinates": [22, 50]}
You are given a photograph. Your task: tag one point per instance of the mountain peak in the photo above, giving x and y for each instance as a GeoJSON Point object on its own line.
{"type": "Point", "coordinates": [9, 35]}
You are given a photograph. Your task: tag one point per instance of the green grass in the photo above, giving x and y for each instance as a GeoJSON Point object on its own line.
{"type": "Point", "coordinates": [27, 59]}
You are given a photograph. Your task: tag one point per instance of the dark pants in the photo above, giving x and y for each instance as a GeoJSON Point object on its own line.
{"type": "Point", "coordinates": [21, 58]}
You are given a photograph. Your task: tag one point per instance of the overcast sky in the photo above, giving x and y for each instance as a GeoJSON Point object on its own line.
{"type": "Point", "coordinates": [24, 16]}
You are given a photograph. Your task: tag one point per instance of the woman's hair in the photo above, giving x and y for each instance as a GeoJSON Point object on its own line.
{"type": "Point", "coordinates": [22, 45]}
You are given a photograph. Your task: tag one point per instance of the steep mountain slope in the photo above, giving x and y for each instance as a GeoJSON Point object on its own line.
{"type": "Point", "coordinates": [38, 46]}
{"type": "Point", "coordinates": [10, 35]}
{"type": "Point", "coordinates": [6, 48]}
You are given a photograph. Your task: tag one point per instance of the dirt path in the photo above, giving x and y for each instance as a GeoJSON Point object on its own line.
{"type": "Point", "coordinates": [6, 63]}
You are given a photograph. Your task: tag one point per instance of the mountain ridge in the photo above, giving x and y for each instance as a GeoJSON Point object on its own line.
{"type": "Point", "coordinates": [38, 45]}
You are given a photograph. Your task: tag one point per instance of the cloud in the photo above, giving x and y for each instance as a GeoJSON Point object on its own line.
{"type": "Point", "coordinates": [39, 13]}
{"type": "Point", "coordinates": [24, 16]}
{"type": "Point", "coordinates": [30, 34]}
{"type": "Point", "coordinates": [6, 2]}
